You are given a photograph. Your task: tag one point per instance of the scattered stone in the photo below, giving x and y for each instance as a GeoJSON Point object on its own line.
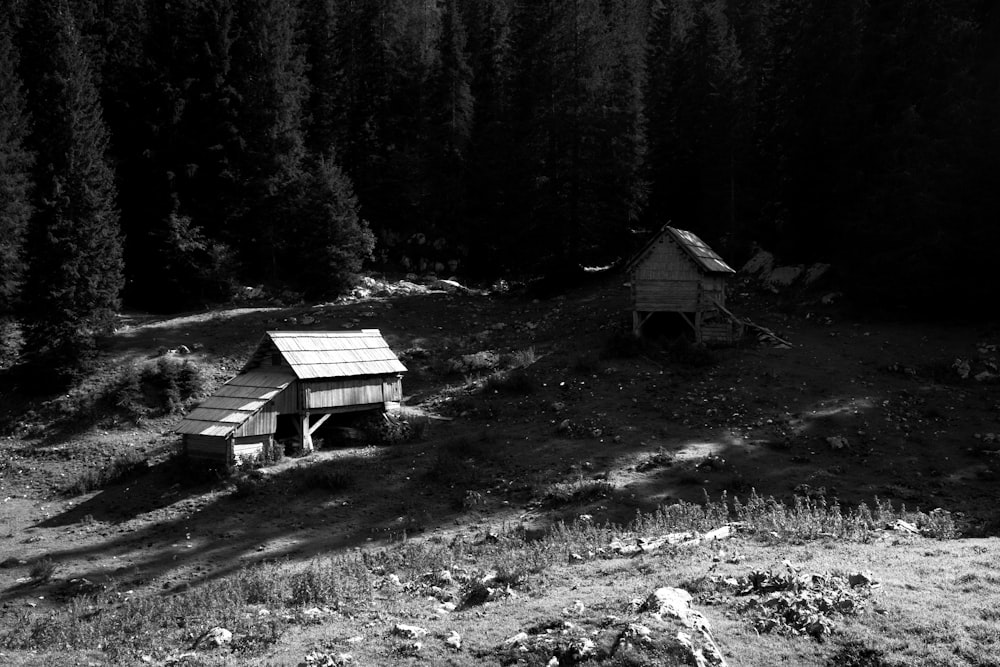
{"type": "Point", "coordinates": [814, 273]}
{"type": "Point", "coordinates": [216, 637]}
{"type": "Point", "coordinates": [861, 579]}
{"type": "Point", "coordinates": [962, 367]}
{"type": "Point", "coordinates": [837, 442]}
{"type": "Point", "coordinates": [183, 349]}
{"type": "Point", "coordinates": [904, 527]}
{"type": "Point", "coordinates": [565, 426]}
{"type": "Point", "coordinates": [761, 262]}
{"type": "Point", "coordinates": [453, 641]}
{"type": "Point", "coordinates": [783, 276]}
{"type": "Point", "coordinates": [318, 659]}
{"type": "Point", "coordinates": [408, 631]}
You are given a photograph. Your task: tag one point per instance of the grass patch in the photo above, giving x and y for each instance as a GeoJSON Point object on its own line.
{"type": "Point", "coordinates": [42, 570]}
{"type": "Point", "coordinates": [121, 469]}
{"type": "Point", "coordinates": [358, 586]}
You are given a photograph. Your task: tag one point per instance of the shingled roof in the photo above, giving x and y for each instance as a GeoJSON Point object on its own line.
{"type": "Point", "coordinates": [234, 403]}
{"type": "Point", "coordinates": [331, 354]}
{"type": "Point", "coordinates": [699, 252]}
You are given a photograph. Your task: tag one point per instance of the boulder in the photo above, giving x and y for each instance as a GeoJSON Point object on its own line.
{"type": "Point", "coordinates": [409, 631]}
{"type": "Point", "coordinates": [783, 276]}
{"type": "Point", "coordinates": [761, 263]}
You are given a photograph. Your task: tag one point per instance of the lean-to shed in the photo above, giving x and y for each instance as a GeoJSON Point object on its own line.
{"type": "Point", "coordinates": [309, 374]}
{"type": "Point", "coordinates": [676, 272]}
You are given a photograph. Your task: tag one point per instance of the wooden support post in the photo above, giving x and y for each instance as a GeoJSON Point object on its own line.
{"type": "Point", "coordinates": [319, 422]}
{"type": "Point", "coordinates": [304, 433]}
{"type": "Point", "coordinates": [636, 324]}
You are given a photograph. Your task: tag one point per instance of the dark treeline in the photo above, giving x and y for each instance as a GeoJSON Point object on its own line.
{"type": "Point", "coordinates": [162, 151]}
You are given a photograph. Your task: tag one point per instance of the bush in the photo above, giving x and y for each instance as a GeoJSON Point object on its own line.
{"type": "Point", "coordinates": [163, 387]}
{"type": "Point", "coordinates": [42, 570]}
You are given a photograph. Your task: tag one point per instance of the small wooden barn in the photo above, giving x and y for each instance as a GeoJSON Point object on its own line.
{"type": "Point", "coordinates": [676, 272]}
{"type": "Point", "coordinates": [309, 375]}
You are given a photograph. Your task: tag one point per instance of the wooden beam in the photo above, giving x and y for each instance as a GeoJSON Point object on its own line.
{"type": "Point", "coordinates": [319, 422]}
{"type": "Point", "coordinates": [305, 435]}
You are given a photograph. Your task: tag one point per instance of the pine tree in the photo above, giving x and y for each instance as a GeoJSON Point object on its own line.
{"type": "Point", "coordinates": [268, 78]}
{"type": "Point", "coordinates": [451, 111]}
{"type": "Point", "coordinates": [15, 170]}
{"type": "Point", "coordinates": [331, 238]}
{"type": "Point", "coordinates": [74, 244]}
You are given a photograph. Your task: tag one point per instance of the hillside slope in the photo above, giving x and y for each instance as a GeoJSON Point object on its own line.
{"type": "Point", "coordinates": [533, 412]}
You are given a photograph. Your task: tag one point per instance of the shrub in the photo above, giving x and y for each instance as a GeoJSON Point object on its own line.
{"type": "Point", "coordinates": [159, 388]}
{"type": "Point", "coordinates": [42, 570]}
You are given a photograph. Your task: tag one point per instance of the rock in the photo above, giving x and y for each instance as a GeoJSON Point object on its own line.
{"type": "Point", "coordinates": [962, 367]}
{"type": "Point", "coordinates": [829, 299]}
{"type": "Point", "coordinates": [517, 640]}
{"type": "Point", "coordinates": [317, 659]}
{"type": "Point", "coordinates": [761, 262]}
{"type": "Point", "coordinates": [447, 285]}
{"type": "Point", "coordinates": [783, 276]}
{"type": "Point", "coordinates": [860, 579]}
{"type": "Point", "coordinates": [985, 376]}
{"type": "Point", "coordinates": [674, 602]}
{"type": "Point", "coordinates": [183, 349]}
{"type": "Point", "coordinates": [565, 426]}
{"type": "Point", "coordinates": [216, 637]}
{"type": "Point", "coordinates": [308, 319]}
{"type": "Point", "coordinates": [486, 360]}
{"type": "Point", "coordinates": [8, 563]}
{"type": "Point", "coordinates": [904, 527]}
{"type": "Point", "coordinates": [558, 406]}
{"type": "Point", "coordinates": [837, 442]}
{"type": "Point", "coordinates": [408, 631]}
{"type": "Point", "coordinates": [814, 273]}
{"type": "Point", "coordinates": [453, 641]}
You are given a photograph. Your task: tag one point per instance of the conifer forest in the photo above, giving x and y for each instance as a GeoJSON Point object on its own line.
{"type": "Point", "coordinates": [155, 154]}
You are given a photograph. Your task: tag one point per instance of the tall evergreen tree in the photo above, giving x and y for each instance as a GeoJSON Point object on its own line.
{"type": "Point", "coordinates": [451, 112]}
{"type": "Point", "coordinates": [268, 78]}
{"type": "Point", "coordinates": [15, 169]}
{"type": "Point", "coordinates": [74, 243]}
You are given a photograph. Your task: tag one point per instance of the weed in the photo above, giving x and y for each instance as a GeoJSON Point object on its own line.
{"type": "Point", "coordinates": [42, 570]}
{"type": "Point", "coordinates": [248, 485]}
{"type": "Point", "coordinates": [121, 469]}
{"type": "Point", "coordinates": [328, 478]}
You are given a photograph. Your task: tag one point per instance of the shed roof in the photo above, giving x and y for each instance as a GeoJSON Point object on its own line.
{"type": "Point", "coordinates": [704, 257]}
{"type": "Point", "coordinates": [334, 354]}
{"type": "Point", "coordinates": [234, 403]}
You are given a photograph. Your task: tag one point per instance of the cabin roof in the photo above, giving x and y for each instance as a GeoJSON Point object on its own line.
{"type": "Point", "coordinates": [333, 354]}
{"type": "Point", "coordinates": [704, 257]}
{"type": "Point", "coordinates": [234, 403]}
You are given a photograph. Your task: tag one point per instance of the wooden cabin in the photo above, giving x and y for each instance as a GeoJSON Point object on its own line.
{"type": "Point", "coordinates": [307, 374]}
{"type": "Point", "coordinates": [676, 272]}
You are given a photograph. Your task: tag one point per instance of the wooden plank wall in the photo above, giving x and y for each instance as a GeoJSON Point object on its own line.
{"type": "Point", "coordinates": [665, 295]}
{"type": "Point", "coordinates": [392, 389]}
{"type": "Point", "coordinates": [667, 262]}
{"type": "Point", "coordinates": [339, 393]}
{"type": "Point", "coordinates": [287, 402]}
{"type": "Point", "coordinates": [206, 447]}
{"type": "Point", "coordinates": [264, 422]}
{"type": "Point", "coordinates": [245, 448]}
